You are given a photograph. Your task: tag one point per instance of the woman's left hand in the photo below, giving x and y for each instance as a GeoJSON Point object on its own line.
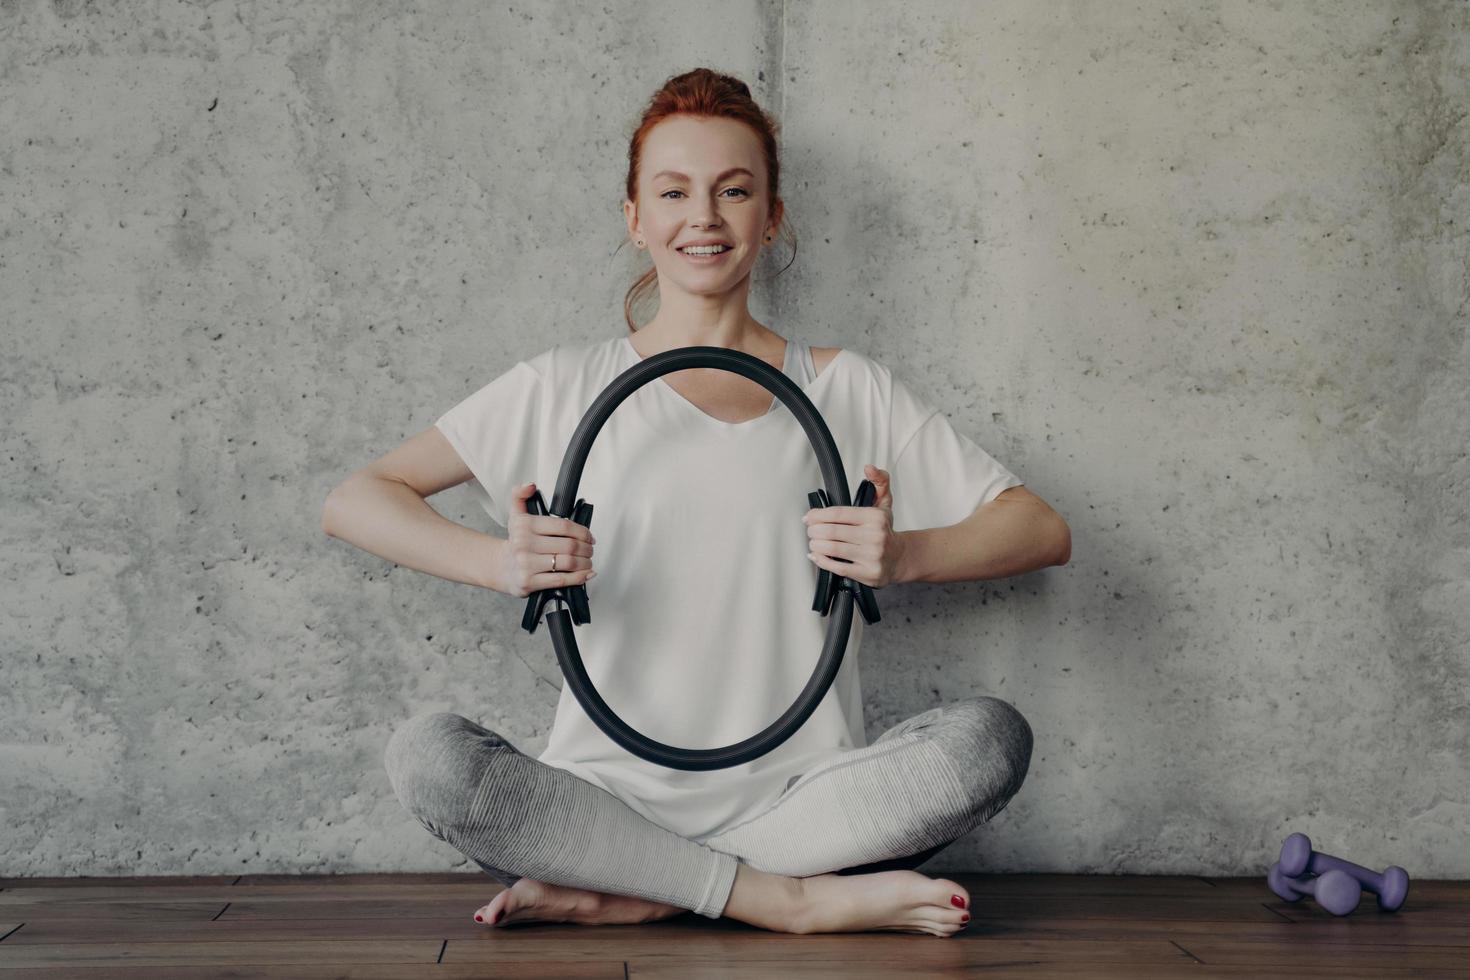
{"type": "Point", "coordinates": [862, 535]}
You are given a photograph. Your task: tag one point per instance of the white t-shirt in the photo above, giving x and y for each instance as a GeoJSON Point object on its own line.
{"type": "Point", "coordinates": [702, 630]}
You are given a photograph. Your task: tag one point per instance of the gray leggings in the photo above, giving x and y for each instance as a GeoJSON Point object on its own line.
{"type": "Point", "coordinates": [924, 783]}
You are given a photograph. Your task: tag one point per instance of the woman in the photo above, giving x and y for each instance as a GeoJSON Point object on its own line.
{"type": "Point", "coordinates": [698, 481]}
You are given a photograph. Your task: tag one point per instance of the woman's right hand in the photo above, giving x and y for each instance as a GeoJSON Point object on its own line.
{"type": "Point", "coordinates": [534, 539]}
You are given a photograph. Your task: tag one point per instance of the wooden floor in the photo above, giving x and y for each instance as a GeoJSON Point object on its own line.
{"type": "Point", "coordinates": [422, 926]}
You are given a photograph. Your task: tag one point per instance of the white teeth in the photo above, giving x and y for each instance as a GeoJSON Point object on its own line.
{"type": "Point", "coordinates": [704, 249]}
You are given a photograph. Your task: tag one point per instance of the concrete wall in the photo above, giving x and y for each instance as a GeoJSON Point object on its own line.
{"type": "Point", "coordinates": [1196, 271]}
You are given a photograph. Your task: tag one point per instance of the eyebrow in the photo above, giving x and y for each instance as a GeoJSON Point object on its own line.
{"type": "Point", "coordinates": [718, 177]}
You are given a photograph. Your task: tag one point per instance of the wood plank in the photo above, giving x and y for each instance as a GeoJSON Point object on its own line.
{"type": "Point", "coordinates": [87, 881]}
{"type": "Point", "coordinates": [301, 881]}
{"type": "Point", "coordinates": [1427, 888]}
{"type": "Point", "coordinates": [1353, 959]}
{"type": "Point", "coordinates": [1054, 884]}
{"type": "Point", "coordinates": [1385, 929]}
{"type": "Point", "coordinates": [892, 949]}
{"type": "Point", "coordinates": [1422, 908]}
{"type": "Point", "coordinates": [144, 910]}
{"type": "Point", "coordinates": [538, 969]}
{"type": "Point", "coordinates": [373, 908]}
{"type": "Point", "coordinates": [980, 886]}
{"type": "Point", "coordinates": [95, 955]}
{"type": "Point", "coordinates": [1083, 885]}
{"type": "Point", "coordinates": [460, 926]}
{"type": "Point", "coordinates": [225, 893]}
{"type": "Point", "coordinates": [676, 969]}
{"type": "Point", "coordinates": [1117, 907]}
{"type": "Point", "coordinates": [376, 878]}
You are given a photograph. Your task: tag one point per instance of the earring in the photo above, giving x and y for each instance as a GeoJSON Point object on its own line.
{"type": "Point", "coordinates": [640, 243]}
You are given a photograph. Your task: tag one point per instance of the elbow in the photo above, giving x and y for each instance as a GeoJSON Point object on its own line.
{"type": "Point", "coordinates": [329, 510]}
{"type": "Point", "coordinates": [327, 516]}
{"type": "Point", "coordinates": [1064, 543]}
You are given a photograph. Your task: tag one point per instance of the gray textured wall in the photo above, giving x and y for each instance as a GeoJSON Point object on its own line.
{"type": "Point", "coordinates": [1196, 271]}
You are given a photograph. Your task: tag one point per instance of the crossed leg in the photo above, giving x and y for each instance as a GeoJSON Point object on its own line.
{"type": "Point", "coordinates": [924, 783]}
{"type": "Point", "coordinates": [892, 804]}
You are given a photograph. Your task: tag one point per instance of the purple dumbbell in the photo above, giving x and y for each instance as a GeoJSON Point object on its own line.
{"type": "Point", "coordinates": [1297, 858]}
{"type": "Point", "coordinates": [1336, 891]}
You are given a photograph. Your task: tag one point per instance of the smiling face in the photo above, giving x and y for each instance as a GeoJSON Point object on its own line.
{"type": "Point", "coordinates": [702, 180]}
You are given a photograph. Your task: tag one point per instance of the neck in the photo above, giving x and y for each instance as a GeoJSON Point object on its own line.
{"type": "Point", "coordinates": [704, 321]}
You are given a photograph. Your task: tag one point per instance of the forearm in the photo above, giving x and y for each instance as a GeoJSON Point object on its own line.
{"type": "Point", "coordinates": [998, 540]}
{"type": "Point", "coordinates": [390, 520]}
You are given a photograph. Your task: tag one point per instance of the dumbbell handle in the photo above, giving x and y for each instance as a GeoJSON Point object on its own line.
{"type": "Point", "coordinates": [1336, 891]}
{"type": "Point", "coordinates": [1320, 862]}
{"type": "Point", "coordinates": [1391, 887]}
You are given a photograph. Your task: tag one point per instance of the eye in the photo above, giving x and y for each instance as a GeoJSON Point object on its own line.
{"type": "Point", "coordinates": [742, 190]}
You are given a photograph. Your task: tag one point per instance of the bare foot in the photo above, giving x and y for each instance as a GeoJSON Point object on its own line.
{"type": "Point", "coordinates": [898, 901]}
{"type": "Point", "coordinates": [539, 901]}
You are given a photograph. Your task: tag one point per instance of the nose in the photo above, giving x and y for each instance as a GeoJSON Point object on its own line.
{"type": "Point", "coordinates": [706, 217]}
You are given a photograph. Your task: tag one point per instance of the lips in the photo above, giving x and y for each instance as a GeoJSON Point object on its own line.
{"type": "Point", "coordinates": [710, 258]}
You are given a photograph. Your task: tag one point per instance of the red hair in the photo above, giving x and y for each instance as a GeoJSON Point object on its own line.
{"type": "Point", "coordinates": [709, 94]}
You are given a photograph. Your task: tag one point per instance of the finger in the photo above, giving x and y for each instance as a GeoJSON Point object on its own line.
{"type": "Point", "coordinates": [840, 515]}
{"type": "Point", "coordinates": [855, 535]}
{"type": "Point", "coordinates": [564, 563]}
{"type": "Point", "coordinates": [835, 550]}
{"type": "Point", "coordinates": [567, 567]}
{"type": "Point", "coordinates": [551, 544]}
{"type": "Point", "coordinates": [520, 496]}
{"type": "Point", "coordinates": [558, 579]}
{"type": "Point", "coordinates": [552, 526]}
{"type": "Point", "coordinates": [881, 481]}
{"type": "Point", "coordinates": [837, 566]}
{"type": "Point", "coordinates": [837, 516]}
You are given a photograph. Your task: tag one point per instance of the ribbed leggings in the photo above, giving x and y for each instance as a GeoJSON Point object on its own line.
{"type": "Point", "coordinates": [924, 783]}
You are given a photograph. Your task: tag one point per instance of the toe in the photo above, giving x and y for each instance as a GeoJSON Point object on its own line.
{"type": "Point", "coordinates": [952, 895]}
{"type": "Point", "coordinates": [495, 910]}
{"type": "Point", "coordinates": [941, 924]}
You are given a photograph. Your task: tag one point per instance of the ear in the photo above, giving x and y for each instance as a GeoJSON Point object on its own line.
{"type": "Point", "coordinates": [777, 213]}
{"type": "Point", "coordinates": [630, 215]}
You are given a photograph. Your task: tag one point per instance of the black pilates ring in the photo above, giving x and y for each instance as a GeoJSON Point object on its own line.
{"type": "Point", "coordinates": [831, 589]}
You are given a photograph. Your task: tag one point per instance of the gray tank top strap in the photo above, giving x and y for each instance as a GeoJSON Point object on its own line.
{"type": "Point", "coordinates": [799, 367]}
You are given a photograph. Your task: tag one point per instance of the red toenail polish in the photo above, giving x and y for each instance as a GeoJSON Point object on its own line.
{"type": "Point", "coordinates": [965, 917]}
{"type": "Point", "coordinates": [956, 901]}
{"type": "Point", "coordinates": [479, 918]}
